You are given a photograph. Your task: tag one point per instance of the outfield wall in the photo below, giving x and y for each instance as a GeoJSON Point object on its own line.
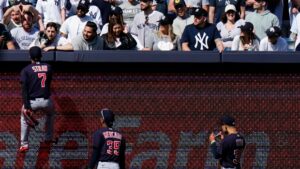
{"type": "Point", "coordinates": [165, 109]}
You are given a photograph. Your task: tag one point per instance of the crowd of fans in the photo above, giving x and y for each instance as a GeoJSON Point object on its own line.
{"type": "Point", "coordinates": [164, 25]}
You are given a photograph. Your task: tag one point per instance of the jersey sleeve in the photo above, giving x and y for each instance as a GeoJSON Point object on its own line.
{"type": "Point", "coordinates": [185, 37]}
{"type": "Point", "coordinates": [122, 154]}
{"type": "Point", "coordinates": [212, 2]}
{"type": "Point", "coordinates": [216, 150]}
{"type": "Point", "coordinates": [98, 141]}
{"type": "Point", "coordinates": [64, 27]}
{"type": "Point", "coordinates": [24, 86]}
{"type": "Point", "coordinates": [216, 33]}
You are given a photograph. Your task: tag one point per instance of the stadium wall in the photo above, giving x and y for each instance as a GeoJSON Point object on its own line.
{"type": "Point", "coordinates": [165, 107]}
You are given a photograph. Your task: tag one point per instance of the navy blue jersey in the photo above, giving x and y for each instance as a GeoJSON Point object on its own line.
{"type": "Point", "coordinates": [201, 38]}
{"type": "Point", "coordinates": [108, 146]}
{"type": "Point", "coordinates": [230, 150]}
{"type": "Point", "coordinates": [221, 4]}
{"type": "Point", "coordinates": [37, 79]}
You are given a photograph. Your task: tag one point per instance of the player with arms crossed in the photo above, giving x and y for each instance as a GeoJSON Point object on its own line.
{"type": "Point", "coordinates": [231, 147]}
{"type": "Point", "coordinates": [108, 145]}
{"type": "Point", "coordinates": [35, 80]}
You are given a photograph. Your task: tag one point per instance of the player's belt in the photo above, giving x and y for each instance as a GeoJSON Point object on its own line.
{"type": "Point", "coordinates": [39, 98]}
{"type": "Point", "coordinates": [227, 168]}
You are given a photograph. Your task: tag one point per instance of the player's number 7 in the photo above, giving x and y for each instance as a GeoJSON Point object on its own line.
{"type": "Point", "coordinates": [44, 77]}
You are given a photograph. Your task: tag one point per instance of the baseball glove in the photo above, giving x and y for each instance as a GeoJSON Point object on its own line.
{"type": "Point", "coordinates": [30, 120]}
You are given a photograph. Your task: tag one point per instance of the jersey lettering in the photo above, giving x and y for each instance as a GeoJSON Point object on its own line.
{"type": "Point", "coordinates": [43, 68]}
{"type": "Point", "coordinates": [112, 134]}
{"type": "Point", "coordinates": [202, 40]}
{"type": "Point", "coordinates": [237, 156]}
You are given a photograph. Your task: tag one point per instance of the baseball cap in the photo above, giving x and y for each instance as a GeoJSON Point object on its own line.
{"type": "Point", "coordinates": [83, 4]}
{"type": "Point", "coordinates": [35, 53]}
{"type": "Point", "coordinates": [116, 11]}
{"type": "Point", "coordinates": [227, 120]}
{"type": "Point", "coordinates": [164, 21]}
{"type": "Point", "coordinates": [273, 31]}
{"type": "Point", "coordinates": [200, 12]}
{"type": "Point", "coordinates": [108, 116]}
{"type": "Point", "coordinates": [247, 27]}
{"type": "Point", "coordinates": [230, 7]}
{"type": "Point", "coordinates": [146, 0]}
{"type": "Point", "coordinates": [179, 4]}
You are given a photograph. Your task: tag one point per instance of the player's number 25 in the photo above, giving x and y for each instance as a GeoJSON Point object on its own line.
{"type": "Point", "coordinates": [113, 147]}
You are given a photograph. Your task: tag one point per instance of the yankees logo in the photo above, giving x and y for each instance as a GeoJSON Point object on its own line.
{"type": "Point", "coordinates": [201, 40]}
{"type": "Point", "coordinates": [93, 15]}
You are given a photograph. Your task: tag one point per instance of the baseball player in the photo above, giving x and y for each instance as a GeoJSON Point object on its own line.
{"type": "Point", "coordinates": [231, 146]}
{"type": "Point", "coordinates": [108, 145]}
{"type": "Point", "coordinates": [35, 80]}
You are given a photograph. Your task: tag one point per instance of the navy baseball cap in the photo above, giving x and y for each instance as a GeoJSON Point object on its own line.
{"type": "Point", "coordinates": [84, 5]}
{"type": "Point", "coordinates": [116, 11]}
{"type": "Point", "coordinates": [179, 4]}
{"type": "Point", "coordinates": [247, 27]}
{"type": "Point", "coordinates": [227, 120]}
{"type": "Point", "coordinates": [35, 53]}
{"type": "Point", "coordinates": [164, 21]}
{"type": "Point", "coordinates": [274, 31]}
{"type": "Point", "coordinates": [108, 116]}
{"type": "Point", "coordinates": [200, 12]}
{"type": "Point", "coordinates": [146, 1]}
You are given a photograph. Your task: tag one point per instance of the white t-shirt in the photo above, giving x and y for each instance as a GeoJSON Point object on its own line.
{"type": "Point", "coordinates": [295, 28]}
{"type": "Point", "coordinates": [196, 3]}
{"type": "Point", "coordinates": [58, 41]}
{"type": "Point", "coordinates": [129, 11]}
{"type": "Point", "coordinates": [179, 24]}
{"type": "Point", "coordinates": [238, 46]}
{"type": "Point", "coordinates": [23, 38]}
{"type": "Point", "coordinates": [50, 10]}
{"type": "Point", "coordinates": [72, 11]}
{"type": "Point", "coordinates": [265, 45]}
{"type": "Point", "coordinates": [228, 35]}
{"type": "Point", "coordinates": [74, 26]}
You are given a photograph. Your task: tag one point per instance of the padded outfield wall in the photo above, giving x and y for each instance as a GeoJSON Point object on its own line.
{"type": "Point", "coordinates": [165, 111]}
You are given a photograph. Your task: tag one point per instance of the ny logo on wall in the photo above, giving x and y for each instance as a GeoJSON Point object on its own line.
{"type": "Point", "coordinates": [201, 40]}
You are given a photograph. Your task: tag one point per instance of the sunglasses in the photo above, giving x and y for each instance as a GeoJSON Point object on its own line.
{"type": "Point", "coordinates": [146, 20]}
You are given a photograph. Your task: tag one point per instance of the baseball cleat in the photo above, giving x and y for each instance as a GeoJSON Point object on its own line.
{"type": "Point", "coordinates": [23, 149]}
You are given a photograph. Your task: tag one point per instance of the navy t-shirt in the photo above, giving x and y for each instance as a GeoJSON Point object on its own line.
{"type": "Point", "coordinates": [109, 146]}
{"type": "Point", "coordinates": [221, 4]}
{"type": "Point", "coordinates": [200, 38]}
{"type": "Point", "coordinates": [7, 36]}
{"type": "Point", "coordinates": [37, 77]}
{"type": "Point", "coordinates": [105, 9]}
{"type": "Point", "coordinates": [230, 150]}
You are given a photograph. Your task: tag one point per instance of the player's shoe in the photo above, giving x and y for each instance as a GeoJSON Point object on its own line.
{"type": "Point", "coordinates": [23, 149]}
